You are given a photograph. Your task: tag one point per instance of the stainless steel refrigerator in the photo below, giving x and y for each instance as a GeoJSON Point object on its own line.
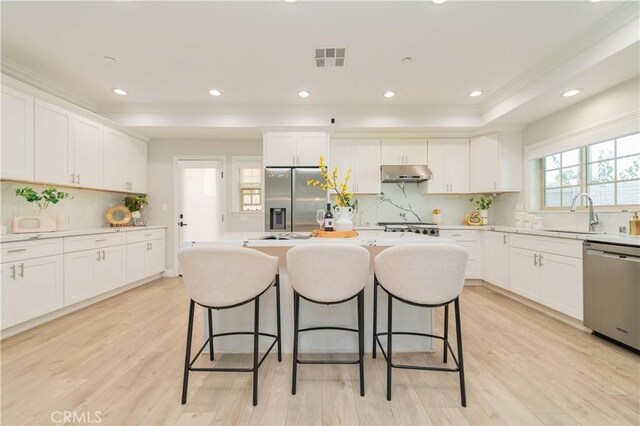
{"type": "Point", "coordinates": [291, 204]}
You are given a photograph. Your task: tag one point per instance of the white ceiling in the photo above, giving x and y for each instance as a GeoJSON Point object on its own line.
{"type": "Point", "coordinates": [260, 54]}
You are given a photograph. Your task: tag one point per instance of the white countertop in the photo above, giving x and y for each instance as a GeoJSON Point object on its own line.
{"type": "Point", "coordinates": [73, 232]}
{"type": "Point", "coordinates": [366, 238]}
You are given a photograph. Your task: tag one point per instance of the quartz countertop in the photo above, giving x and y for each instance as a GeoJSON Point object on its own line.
{"type": "Point", "coordinates": [7, 238]}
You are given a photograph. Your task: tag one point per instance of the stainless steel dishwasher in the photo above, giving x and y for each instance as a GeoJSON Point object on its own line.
{"type": "Point", "coordinates": [611, 274]}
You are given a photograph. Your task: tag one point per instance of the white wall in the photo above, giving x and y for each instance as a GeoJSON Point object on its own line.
{"type": "Point", "coordinates": [87, 209]}
{"type": "Point", "coordinates": [160, 171]}
{"type": "Point", "coordinates": [591, 113]}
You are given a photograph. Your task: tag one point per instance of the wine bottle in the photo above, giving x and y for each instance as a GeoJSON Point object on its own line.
{"type": "Point", "coordinates": [328, 219]}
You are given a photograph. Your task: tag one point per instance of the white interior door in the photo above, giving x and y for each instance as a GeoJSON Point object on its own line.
{"type": "Point", "coordinates": [200, 212]}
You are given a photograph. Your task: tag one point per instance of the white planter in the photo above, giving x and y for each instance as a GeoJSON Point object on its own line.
{"type": "Point", "coordinates": [344, 219]}
{"type": "Point", "coordinates": [484, 214]}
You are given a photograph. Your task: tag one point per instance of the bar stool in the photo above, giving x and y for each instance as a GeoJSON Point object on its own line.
{"type": "Point", "coordinates": [422, 275]}
{"type": "Point", "coordinates": [328, 274]}
{"type": "Point", "coordinates": [223, 278]}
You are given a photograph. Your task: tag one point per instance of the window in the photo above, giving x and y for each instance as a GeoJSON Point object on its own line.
{"type": "Point", "coordinates": [250, 189]}
{"type": "Point", "coordinates": [609, 171]}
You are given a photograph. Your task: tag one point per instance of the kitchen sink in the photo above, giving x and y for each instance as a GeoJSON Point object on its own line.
{"type": "Point", "coordinates": [571, 232]}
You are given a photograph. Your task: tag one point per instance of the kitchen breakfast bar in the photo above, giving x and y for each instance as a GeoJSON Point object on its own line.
{"type": "Point", "coordinates": [406, 317]}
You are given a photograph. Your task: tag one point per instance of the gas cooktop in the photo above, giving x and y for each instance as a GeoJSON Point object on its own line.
{"type": "Point", "coordinates": [415, 227]}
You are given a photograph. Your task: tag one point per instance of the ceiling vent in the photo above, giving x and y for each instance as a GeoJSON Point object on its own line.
{"type": "Point", "coordinates": [330, 57]}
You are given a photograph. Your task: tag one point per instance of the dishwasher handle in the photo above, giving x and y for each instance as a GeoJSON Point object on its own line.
{"type": "Point", "coordinates": [616, 256]}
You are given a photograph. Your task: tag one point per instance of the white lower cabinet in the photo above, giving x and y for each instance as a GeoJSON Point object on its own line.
{"type": "Point", "coordinates": [471, 240]}
{"type": "Point", "coordinates": [30, 288]}
{"type": "Point", "coordinates": [562, 286]}
{"type": "Point", "coordinates": [525, 276]}
{"type": "Point", "coordinates": [145, 259]}
{"type": "Point", "coordinates": [89, 273]}
{"type": "Point", "coordinates": [496, 258]}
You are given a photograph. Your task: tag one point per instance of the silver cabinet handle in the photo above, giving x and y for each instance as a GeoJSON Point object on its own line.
{"type": "Point", "coordinates": [103, 255]}
{"type": "Point", "coordinates": [78, 177]}
{"type": "Point", "coordinates": [21, 270]}
{"type": "Point", "coordinates": [73, 178]}
{"type": "Point", "coordinates": [151, 245]}
{"type": "Point", "coordinates": [504, 238]}
{"type": "Point", "coordinates": [16, 250]}
{"type": "Point", "coordinates": [495, 186]}
{"type": "Point", "coordinates": [101, 240]}
{"type": "Point", "coordinates": [98, 253]}
{"type": "Point", "coordinates": [539, 260]}
{"type": "Point", "coordinates": [535, 259]}
{"type": "Point", "coordinates": [13, 272]}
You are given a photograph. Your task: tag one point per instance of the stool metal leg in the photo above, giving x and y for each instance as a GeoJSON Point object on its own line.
{"type": "Point", "coordinates": [211, 356]}
{"type": "Point", "coordinates": [187, 358]}
{"type": "Point", "coordinates": [445, 351]}
{"type": "Point", "coordinates": [256, 330]}
{"type": "Point", "coordinates": [463, 394]}
{"type": "Point", "coordinates": [389, 338]}
{"type": "Point", "coordinates": [278, 325]}
{"type": "Point", "coordinates": [296, 314]}
{"type": "Point", "coordinates": [361, 339]}
{"type": "Point", "coordinates": [375, 314]}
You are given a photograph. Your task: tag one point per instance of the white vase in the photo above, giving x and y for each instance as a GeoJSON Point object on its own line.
{"type": "Point", "coordinates": [344, 219]}
{"type": "Point", "coordinates": [484, 214]}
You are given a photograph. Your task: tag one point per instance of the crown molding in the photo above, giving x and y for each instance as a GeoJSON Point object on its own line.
{"type": "Point", "coordinates": [32, 78]}
{"type": "Point", "coordinates": [616, 20]}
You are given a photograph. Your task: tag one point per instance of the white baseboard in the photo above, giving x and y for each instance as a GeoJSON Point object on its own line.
{"type": "Point", "coordinates": [170, 273]}
{"type": "Point", "coordinates": [27, 325]}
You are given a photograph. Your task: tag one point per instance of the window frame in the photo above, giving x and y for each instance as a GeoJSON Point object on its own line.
{"type": "Point", "coordinates": [583, 178]}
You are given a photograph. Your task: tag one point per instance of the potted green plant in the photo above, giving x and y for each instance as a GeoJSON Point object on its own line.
{"type": "Point", "coordinates": [483, 205]}
{"type": "Point", "coordinates": [40, 200]}
{"type": "Point", "coordinates": [135, 203]}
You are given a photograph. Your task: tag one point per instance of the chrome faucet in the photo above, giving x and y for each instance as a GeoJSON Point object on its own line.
{"type": "Point", "coordinates": [593, 217]}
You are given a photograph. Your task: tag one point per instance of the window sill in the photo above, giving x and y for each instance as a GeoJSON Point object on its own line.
{"type": "Point", "coordinates": [585, 210]}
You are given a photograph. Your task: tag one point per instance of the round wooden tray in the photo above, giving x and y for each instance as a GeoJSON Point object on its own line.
{"type": "Point", "coordinates": [334, 234]}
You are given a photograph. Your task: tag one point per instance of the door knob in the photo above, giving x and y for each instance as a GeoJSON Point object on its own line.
{"type": "Point", "coordinates": [181, 224]}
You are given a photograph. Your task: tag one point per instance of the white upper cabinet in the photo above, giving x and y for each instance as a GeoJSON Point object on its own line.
{"type": "Point", "coordinates": [294, 149]}
{"type": "Point", "coordinates": [362, 156]}
{"type": "Point", "coordinates": [88, 152]}
{"type": "Point", "coordinates": [53, 144]}
{"type": "Point", "coordinates": [116, 164]}
{"type": "Point", "coordinates": [17, 135]}
{"type": "Point", "coordinates": [403, 151]}
{"type": "Point", "coordinates": [137, 166]}
{"type": "Point", "coordinates": [496, 161]}
{"type": "Point", "coordinates": [448, 159]}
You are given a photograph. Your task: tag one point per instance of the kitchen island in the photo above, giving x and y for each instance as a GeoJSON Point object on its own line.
{"type": "Point", "coordinates": [406, 318]}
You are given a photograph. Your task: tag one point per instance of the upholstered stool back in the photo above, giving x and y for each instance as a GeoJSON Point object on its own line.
{"type": "Point", "coordinates": [427, 274]}
{"type": "Point", "coordinates": [225, 276]}
{"type": "Point", "coordinates": [328, 273]}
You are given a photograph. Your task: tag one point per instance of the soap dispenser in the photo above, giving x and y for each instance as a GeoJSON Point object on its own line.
{"type": "Point", "coordinates": [634, 224]}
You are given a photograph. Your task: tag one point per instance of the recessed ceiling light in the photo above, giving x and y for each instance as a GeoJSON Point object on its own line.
{"type": "Point", "coordinates": [303, 94]}
{"type": "Point", "coordinates": [475, 93]}
{"type": "Point", "coordinates": [215, 92]}
{"type": "Point", "coordinates": [439, 1]}
{"type": "Point", "coordinates": [120, 92]}
{"type": "Point", "coordinates": [406, 60]}
{"type": "Point", "coordinates": [389, 94]}
{"type": "Point", "coordinates": [571, 92]}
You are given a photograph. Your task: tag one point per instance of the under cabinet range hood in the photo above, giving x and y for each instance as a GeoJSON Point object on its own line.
{"type": "Point", "coordinates": [405, 173]}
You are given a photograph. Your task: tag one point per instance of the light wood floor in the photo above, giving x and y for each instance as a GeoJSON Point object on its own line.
{"type": "Point", "coordinates": [123, 357]}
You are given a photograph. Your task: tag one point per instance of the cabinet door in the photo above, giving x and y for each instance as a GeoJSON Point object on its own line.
{"type": "Point", "coordinates": [525, 277]}
{"type": "Point", "coordinates": [367, 166]}
{"type": "Point", "coordinates": [138, 165]}
{"type": "Point", "coordinates": [17, 135]}
{"type": "Point", "coordinates": [116, 164]}
{"type": "Point", "coordinates": [280, 149]}
{"type": "Point", "coordinates": [436, 153]}
{"type": "Point", "coordinates": [79, 282]}
{"type": "Point", "coordinates": [88, 151]}
{"type": "Point", "coordinates": [391, 152]}
{"type": "Point", "coordinates": [343, 157]}
{"type": "Point", "coordinates": [9, 275]}
{"type": "Point", "coordinates": [457, 165]}
{"type": "Point", "coordinates": [309, 148]}
{"type": "Point", "coordinates": [136, 254]}
{"type": "Point", "coordinates": [155, 258]}
{"type": "Point", "coordinates": [110, 271]}
{"type": "Point", "coordinates": [484, 153]}
{"type": "Point", "coordinates": [413, 151]}
{"type": "Point", "coordinates": [562, 288]}
{"type": "Point", "coordinates": [40, 288]}
{"type": "Point", "coordinates": [53, 144]}
{"type": "Point", "coordinates": [496, 259]}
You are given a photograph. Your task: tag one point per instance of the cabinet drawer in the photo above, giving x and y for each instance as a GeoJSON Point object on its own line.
{"type": "Point", "coordinates": [560, 246]}
{"type": "Point", "coordinates": [147, 235]}
{"type": "Point", "coordinates": [30, 249]}
{"type": "Point", "coordinates": [95, 241]}
{"type": "Point", "coordinates": [459, 236]}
